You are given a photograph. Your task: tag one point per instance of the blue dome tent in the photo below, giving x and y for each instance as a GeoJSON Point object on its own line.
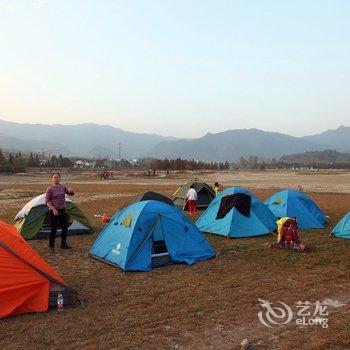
{"type": "Point", "coordinates": [291, 203]}
{"type": "Point", "coordinates": [149, 234]}
{"type": "Point", "coordinates": [236, 212]}
{"type": "Point", "coordinates": [342, 229]}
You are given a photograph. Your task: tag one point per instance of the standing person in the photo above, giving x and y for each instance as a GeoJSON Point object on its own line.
{"type": "Point", "coordinates": [192, 200]}
{"type": "Point", "coordinates": [56, 202]}
{"type": "Point", "coordinates": [218, 188]}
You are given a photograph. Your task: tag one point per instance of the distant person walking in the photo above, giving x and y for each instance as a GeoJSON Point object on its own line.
{"type": "Point", "coordinates": [192, 200]}
{"type": "Point", "coordinates": [56, 202]}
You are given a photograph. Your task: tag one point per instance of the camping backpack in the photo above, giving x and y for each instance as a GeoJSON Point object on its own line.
{"type": "Point", "coordinates": [290, 232]}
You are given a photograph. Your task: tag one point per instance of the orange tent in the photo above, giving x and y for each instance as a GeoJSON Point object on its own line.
{"type": "Point", "coordinates": [26, 281]}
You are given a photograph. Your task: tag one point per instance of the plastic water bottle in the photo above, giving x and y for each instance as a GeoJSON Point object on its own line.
{"type": "Point", "coordinates": [60, 302]}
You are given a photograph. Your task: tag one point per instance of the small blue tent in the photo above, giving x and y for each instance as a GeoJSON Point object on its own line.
{"type": "Point", "coordinates": [291, 203]}
{"type": "Point", "coordinates": [342, 229]}
{"type": "Point", "coordinates": [259, 220]}
{"type": "Point", "coordinates": [148, 234]}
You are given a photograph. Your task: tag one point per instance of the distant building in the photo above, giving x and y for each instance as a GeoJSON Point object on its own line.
{"type": "Point", "coordinates": [83, 164]}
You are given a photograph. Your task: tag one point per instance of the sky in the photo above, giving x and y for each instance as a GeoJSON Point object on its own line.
{"type": "Point", "coordinates": [177, 67]}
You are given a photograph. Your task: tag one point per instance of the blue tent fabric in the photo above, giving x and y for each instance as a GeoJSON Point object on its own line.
{"type": "Point", "coordinates": [260, 221]}
{"type": "Point", "coordinates": [342, 229]}
{"type": "Point", "coordinates": [128, 244]}
{"type": "Point", "coordinates": [291, 203]}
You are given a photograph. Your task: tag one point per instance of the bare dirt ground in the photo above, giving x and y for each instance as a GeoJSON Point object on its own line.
{"type": "Point", "coordinates": [211, 305]}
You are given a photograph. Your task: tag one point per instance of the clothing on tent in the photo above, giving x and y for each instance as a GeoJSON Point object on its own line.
{"type": "Point", "coordinates": [240, 201]}
{"type": "Point", "coordinates": [259, 222]}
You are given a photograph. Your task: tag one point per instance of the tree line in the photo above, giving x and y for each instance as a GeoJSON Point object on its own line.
{"type": "Point", "coordinates": [12, 163]}
{"type": "Point", "coordinates": [186, 164]}
{"type": "Point", "coordinates": [17, 162]}
{"type": "Point", "coordinates": [328, 159]}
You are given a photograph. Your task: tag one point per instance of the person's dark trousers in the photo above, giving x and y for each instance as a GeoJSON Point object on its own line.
{"type": "Point", "coordinates": [58, 220]}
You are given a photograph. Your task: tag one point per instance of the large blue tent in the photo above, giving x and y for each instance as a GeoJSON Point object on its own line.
{"type": "Point", "coordinates": [150, 233]}
{"type": "Point", "coordinates": [291, 203]}
{"type": "Point", "coordinates": [342, 229]}
{"type": "Point", "coordinates": [259, 220]}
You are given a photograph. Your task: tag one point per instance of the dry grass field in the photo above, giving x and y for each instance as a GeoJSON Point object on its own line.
{"type": "Point", "coordinates": [211, 305]}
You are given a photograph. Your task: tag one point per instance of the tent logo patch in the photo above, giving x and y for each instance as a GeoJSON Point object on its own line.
{"type": "Point", "coordinates": [117, 249]}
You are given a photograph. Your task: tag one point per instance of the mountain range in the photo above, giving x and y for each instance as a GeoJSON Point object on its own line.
{"type": "Point", "coordinates": [84, 140]}
{"type": "Point", "coordinates": [93, 140]}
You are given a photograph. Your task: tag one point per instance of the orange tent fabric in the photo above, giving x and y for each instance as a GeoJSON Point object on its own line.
{"type": "Point", "coordinates": [25, 278]}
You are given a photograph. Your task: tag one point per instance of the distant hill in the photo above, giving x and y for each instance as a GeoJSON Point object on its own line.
{"type": "Point", "coordinates": [79, 140]}
{"type": "Point", "coordinates": [338, 139]}
{"type": "Point", "coordinates": [14, 144]}
{"type": "Point", "coordinates": [93, 140]}
{"type": "Point", "coordinates": [233, 144]}
{"type": "Point", "coordinates": [322, 159]}
{"type": "Point", "coordinates": [318, 158]}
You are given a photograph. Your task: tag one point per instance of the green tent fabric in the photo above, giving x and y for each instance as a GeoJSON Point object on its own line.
{"type": "Point", "coordinates": [204, 191]}
{"type": "Point", "coordinates": [32, 221]}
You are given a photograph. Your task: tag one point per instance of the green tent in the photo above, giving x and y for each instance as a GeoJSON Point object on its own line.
{"type": "Point", "coordinates": [204, 191]}
{"type": "Point", "coordinates": [33, 220]}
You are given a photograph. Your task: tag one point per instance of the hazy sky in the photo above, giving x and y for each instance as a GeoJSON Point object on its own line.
{"type": "Point", "coordinates": [179, 68]}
